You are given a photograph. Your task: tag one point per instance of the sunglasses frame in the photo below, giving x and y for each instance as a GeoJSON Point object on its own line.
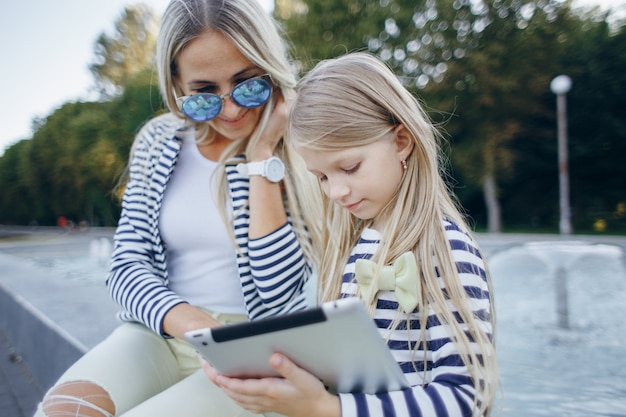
{"type": "Point", "coordinates": [180, 101]}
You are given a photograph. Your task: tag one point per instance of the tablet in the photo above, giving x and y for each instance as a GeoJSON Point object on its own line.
{"type": "Point", "coordinates": [337, 341]}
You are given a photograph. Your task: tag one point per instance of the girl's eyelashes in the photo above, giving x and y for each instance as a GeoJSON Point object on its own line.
{"type": "Point", "coordinates": [352, 170]}
{"type": "Point", "coordinates": [346, 171]}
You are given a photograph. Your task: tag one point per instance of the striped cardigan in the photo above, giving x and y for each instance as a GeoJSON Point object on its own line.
{"type": "Point", "coordinates": [272, 269]}
{"type": "Point", "coordinates": [445, 389]}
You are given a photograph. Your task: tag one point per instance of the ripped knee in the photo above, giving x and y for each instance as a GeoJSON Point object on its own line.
{"type": "Point", "coordinates": [78, 399]}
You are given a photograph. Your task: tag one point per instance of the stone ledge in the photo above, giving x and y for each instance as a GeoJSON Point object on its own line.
{"type": "Point", "coordinates": [45, 348]}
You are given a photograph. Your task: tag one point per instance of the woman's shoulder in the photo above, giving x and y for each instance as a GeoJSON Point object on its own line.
{"type": "Point", "coordinates": [159, 130]}
{"type": "Point", "coordinates": [163, 124]}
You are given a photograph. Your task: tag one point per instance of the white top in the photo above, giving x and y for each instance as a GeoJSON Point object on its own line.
{"type": "Point", "coordinates": [272, 270]}
{"type": "Point", "coordinates": [202, 266]}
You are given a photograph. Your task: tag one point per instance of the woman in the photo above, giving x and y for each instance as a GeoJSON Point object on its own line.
{"type": "Point", "coordinates": [211, 230]}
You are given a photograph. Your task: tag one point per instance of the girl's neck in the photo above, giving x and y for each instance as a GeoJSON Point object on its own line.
{"type": "Point", "coordinates": [377, 223]}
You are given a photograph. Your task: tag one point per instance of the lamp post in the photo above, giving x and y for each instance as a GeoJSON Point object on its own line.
{"type": "Point", "coordinates": [560, 86]}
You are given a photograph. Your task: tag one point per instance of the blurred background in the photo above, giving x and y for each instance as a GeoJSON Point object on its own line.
{"type": "Point", "coordinates": [483, 68]}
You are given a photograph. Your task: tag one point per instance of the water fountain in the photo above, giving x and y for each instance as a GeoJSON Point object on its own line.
{"type": "Point", "coordinates": [561, 328]}
{"type": "Point", "coordinates": [100, 250]}
{"type": "Point", "coordinates": [561, 311]}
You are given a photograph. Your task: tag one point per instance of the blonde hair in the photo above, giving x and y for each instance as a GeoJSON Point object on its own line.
{"type": "Point", "coordinates": [356, 100]}
{"type": "Point", "coordinates": [256, 34]}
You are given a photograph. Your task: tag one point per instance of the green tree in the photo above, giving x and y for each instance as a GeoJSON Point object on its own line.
{"type": "Point", "coordinates": [320, 29]}
{"type": "Point", "coordinates": [128, 51]}
{"type": "Point", "coordinates": [596, 62]}
{"type": "Point", "coordinates": [482, 66]}
{"type": "Point", "coordinates": [487, 63]}
{"type": "Point", "coordinates": [72, 164]}
{"type": "Point", "coordinates": [140, 101]}
{"type": "Point", "coordinates": [57, 159]}
{"type": "Point", "coordinates": [17, 204]}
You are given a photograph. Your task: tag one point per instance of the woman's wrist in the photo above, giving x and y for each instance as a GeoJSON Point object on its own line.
{"type": "Point", "coordinates": [183, 318]}
{"type": "Point", "coordinates": [260, 155]}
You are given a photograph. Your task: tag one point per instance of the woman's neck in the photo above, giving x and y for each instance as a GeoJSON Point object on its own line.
{"type": "Point", "coordinates": [213, 150]}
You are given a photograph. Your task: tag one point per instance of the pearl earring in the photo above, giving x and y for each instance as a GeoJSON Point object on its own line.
{"type": "Point", "coordinates": [404, 164]}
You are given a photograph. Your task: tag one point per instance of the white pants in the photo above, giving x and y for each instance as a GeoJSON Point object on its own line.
{"type": "Point", "coordinates": [149, 376]}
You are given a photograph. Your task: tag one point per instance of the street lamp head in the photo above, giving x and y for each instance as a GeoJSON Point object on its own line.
{"type": "Point", "coordinates": [561, 84]}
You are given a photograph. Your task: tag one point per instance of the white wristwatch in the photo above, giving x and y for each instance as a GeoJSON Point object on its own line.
{"type": "Point", "coordinates": [273, 169]}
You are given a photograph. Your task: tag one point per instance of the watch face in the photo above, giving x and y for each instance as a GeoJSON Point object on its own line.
{"type": "Point", "coordinates": [275, 170]}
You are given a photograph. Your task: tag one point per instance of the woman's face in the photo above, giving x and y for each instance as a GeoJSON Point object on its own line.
{"type": "Point", "coordinates": [212, 64]}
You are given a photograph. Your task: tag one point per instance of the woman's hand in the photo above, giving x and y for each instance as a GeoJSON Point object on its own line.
{"type": "Point", "coordinates": [274, 130]}
{"type": "Point", "coordinates": [297, 394]}
{"type": "Point", "coordinates": [185, 317]}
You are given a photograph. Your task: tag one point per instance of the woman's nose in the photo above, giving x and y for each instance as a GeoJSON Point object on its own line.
{"type": "Point", "coordinates": [230, 109]}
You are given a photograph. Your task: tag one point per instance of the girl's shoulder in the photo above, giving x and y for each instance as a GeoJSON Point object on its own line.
{"type": "Point", "coordinates": [456, 231]}
{"type": "Point", "coordinates": [461, 241]}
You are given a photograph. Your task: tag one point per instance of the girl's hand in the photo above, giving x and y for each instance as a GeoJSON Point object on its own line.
{"type": "Point", "coordinates": [274, 130]}
{"type": "Point", "coordinates": [299, 394]}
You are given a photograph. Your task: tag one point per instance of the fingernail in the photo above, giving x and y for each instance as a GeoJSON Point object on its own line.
{"type": "Point", "coordinates": [277, 360]}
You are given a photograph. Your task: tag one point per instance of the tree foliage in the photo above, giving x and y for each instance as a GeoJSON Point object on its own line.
{"type": "Point", "coordinates": [484, 68]}
{"type": "Point", "coordinates": [129, 50]}
{"type": "Point", "coordinates": [72, 163]}
{"type": "Point", "coordinates": [597, 126]}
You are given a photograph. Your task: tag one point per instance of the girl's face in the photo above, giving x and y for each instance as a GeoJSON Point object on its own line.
{"type": "Point", "coordinates": [212, 64]}
{"type": "Point", "coordinates": [363, 179]}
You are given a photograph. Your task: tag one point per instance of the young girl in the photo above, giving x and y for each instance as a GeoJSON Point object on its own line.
{"type": "Point", "coordinates": [395, 238]}
{"type": "Point", "coordinates": [214, 226]}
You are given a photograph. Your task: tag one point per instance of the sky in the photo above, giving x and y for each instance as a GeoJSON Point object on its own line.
{"type": "Point", "coordinates": [47, 47]}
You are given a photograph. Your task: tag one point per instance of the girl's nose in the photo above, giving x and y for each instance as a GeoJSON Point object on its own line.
{"type": "Point", "coordinates": [337, 190]}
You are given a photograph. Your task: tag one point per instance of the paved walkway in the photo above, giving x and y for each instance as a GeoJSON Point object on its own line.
{"type": "Point", "coordinates": [19, 392]}
{"type": "Point", "coordinates": [84, 309]}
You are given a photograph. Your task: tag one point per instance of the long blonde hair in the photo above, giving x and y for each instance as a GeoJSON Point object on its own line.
{"type": "Point", "coordinates": [257, 35]}
{"type": "Point", "coordinates": [356, 100]}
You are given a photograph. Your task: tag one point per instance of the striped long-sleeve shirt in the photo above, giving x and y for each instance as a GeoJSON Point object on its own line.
{"type": "Point", "coordinates": [272, 269]}
{"type": "Point", "coordinates": [445, 389]}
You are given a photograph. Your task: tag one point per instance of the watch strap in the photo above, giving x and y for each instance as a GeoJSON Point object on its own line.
{"type": "Point", "coordinates": [271, 168]}
{"type": "Point", "coordinates": [255, 168]}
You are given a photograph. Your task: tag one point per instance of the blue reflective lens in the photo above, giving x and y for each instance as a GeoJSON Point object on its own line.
{"type": "Point", "coordinates": [202, 107]}
{"type": "Point", "coordinates": [249, 94]}
{"type": "Point", "coordinates": [252, 93]}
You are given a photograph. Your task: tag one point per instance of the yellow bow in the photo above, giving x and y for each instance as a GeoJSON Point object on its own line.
{"type": "Point", "coordinates": [401, 277]}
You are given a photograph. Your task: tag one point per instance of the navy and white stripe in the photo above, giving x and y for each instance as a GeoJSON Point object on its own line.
{"type": "Point", "coordinates": [440, 382]}
{"type": "Point", "coordinates": [272, 269]}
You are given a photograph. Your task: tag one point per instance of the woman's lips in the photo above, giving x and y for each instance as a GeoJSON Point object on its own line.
{"type": "Point", "coordinates": [234, 121]}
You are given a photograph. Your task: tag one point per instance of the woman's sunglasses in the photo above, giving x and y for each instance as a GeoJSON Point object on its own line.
{"type": "Point", "coordinates": [249, 94]}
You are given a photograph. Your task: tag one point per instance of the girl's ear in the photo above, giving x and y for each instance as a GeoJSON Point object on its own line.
{"type": "Point", "coordinates": [404, 142]}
